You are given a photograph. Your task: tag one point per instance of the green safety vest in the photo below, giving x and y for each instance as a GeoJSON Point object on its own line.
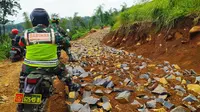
{"type": "Point", "coordinates": [41, 50]}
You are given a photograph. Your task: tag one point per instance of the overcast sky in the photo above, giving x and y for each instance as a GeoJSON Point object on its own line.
{"type": "Point", "coordinates": [66, 8]}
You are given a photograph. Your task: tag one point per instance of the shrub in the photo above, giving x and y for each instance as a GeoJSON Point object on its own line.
{"type": "Point", "coordinates": [5, 47]}
{"type": "Point", "coordinates": [79, 34]}
{"type": "Point", "coordinates": [161, 12]}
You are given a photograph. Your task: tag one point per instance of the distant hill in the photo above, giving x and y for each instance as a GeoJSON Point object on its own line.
{"type": "Point", "coordinates": [19, 26]}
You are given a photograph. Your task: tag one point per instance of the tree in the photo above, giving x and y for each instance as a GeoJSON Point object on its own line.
{"type": "Point", "coordinates": [78, 22]}
{"type": "Point", "coordinates": [124, 7]}
{"type": "Point", "coordinates": [107, 17]}
{"type": "Point", "coordinates": [8, 7]}
{"type": "Point", "coordinates": [63, 23]}
{"type": "Point", "coordinates": [99, 15]}
{"type": "Point", "coordinates": [91, 22]}
{"type": "Point", "coordinates": [27, 23]}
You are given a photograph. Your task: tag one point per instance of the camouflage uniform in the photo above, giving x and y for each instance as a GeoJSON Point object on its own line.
{"type": "Point", "coordinates": [58, 28]}
{"type": "Point", "coordinates": [15, 40]}
{"type": "Point", "coordinates": [60, 31]}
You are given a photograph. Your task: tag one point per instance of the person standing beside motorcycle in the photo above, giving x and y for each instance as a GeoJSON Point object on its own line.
{"type": "Point", "coordinates": [55, 25]}
{"type": "Point", "coordinates": [41, 49]}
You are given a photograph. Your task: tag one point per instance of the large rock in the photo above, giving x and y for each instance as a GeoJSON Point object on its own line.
{"type": "Point", "coordinates": [168, 104]}
{"type": "Point", "coordinates": [151, 104]}
{"type": "Point", "coordinates": [85, 108]}
{"type": "Point", "coordinates": [86, 94]}
{"type": "Point", "coordinates": [143, 109]}
{"type": "Point", "coordinates": [90, 100]}
{"type": "Point", "coordinates": [78, 69]}
{"type": "Point", "coordinates": [110, 85]}
{"type": "Point", "coordinates": [123, 97]}
{"type": "Point", "coordinates": [190, 98]}
{"type": "Point", "coordinates": [135, 102]}
{"type": "Point", "coordinates": [144, 76]}
{"type": "Point", "coordinates": [99, 92]}
{"type": "Point", "coordinates": [159, 90]}
{"type": "Point", "coordinates": [107, 91]}
{"type": "Point", "coordinates": [73, 95]}
{"type": "Point", "coordinates": [197, 79]}
{"type": "Point", "coordinates": [193, 72]}
{"type": "Point", "coordinates": [126, 81]}
{"type": "Point", "coordinates": [76, 106]}
{"type": "Point", "coordinates": [104, 99]}
{"type": "Point", "coordinates": [178, 109]}
{"type": "Point", "coordinates": [163, 81]}
{"type": "Point", "coordinates": [85, 74]}
{"type": "Point", "coordinates": [160, 100]}
{"type": "Point", "coordinates": [159, 110]}
{"type": "Point", "coordinates": [177, 87]}
{"type": "Point", "coordinates": [194, 87]}
{"type": "Point", "coordinates": [193, 109]}
{"type": "Point", "coordinates": [3, 99]}
{"type": "Point", "coordinates": [195, 29]}
{"type": "Point", "coordinates": [99, 82]}
{"type": "Point", "coordinates": [107, 106]}
{"type": "Point", "coordinates": [163, 96]}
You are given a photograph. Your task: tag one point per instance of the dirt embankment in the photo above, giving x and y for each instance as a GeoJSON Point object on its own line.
{"type": "Point", "coordinates": [173, 44]}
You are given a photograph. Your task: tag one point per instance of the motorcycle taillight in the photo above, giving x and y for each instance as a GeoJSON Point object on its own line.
{"type": "Point", "coordinates": [13, 48]}
{"type": "Point", "coordinates": [32, 81]}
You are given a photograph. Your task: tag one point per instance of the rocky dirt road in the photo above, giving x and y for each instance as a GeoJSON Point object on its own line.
{"type": "Point", "coordinates": [114, 80]}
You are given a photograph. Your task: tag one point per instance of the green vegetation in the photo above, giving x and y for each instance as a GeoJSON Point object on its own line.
{"type": "Point", "coordinates": [5, 47]}
{"type": "Point", "coordinates": [27, 22]}
{"type": "Point", "coordinates": [79, 34]}
{"type": "Point", "coordinates": [163, 13]}
{"type": "Point", "coordinates": [80, 26]}
{"type": "Point", "coordinates": [8, 7]}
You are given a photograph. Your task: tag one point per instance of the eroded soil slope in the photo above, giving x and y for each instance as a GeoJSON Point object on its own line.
{"type": "Point", "coordinates": [175, 45]}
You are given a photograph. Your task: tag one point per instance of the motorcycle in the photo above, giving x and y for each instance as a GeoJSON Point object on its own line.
{"type": "Point", "coordinates": [16, 54]}
{"type": "Point", "coordinates": [38, 87]}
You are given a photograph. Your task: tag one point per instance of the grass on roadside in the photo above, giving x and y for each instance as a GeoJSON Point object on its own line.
{"type": "Point", "coordinates": [5, 47]}
{"type": "Point", "coordinates": [161, 12]}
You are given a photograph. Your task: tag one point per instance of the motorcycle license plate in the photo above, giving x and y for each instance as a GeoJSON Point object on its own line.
{"type": "Point", "coordinates": [28, 98]}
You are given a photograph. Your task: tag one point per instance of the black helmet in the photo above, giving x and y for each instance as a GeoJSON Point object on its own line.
{"type": "Point", "coordinates": [39, 16]}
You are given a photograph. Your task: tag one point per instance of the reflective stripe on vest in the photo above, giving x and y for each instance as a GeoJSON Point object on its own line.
{"type": "Point", "coordinates": [53, 36]}
{"type": "Point", "coordinates": [42, 63]}
{"type": "Point", "coordinates": [25, 37]}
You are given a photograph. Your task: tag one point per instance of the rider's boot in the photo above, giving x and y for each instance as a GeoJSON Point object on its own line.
{"type": "Point", "coordinates": [72, 86]}
{"type": "Point", "coordinates": [71, 59]}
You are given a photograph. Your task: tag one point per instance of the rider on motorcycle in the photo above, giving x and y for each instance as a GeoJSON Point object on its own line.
{"type": "Point", "coordinates": [55, 25]}
{"type": "Point", "coordinates": [15, 37]}
{"type": "Point", "coordinates": [41, 49]}
{"type": "Point", "coordinates": [20, 51]}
